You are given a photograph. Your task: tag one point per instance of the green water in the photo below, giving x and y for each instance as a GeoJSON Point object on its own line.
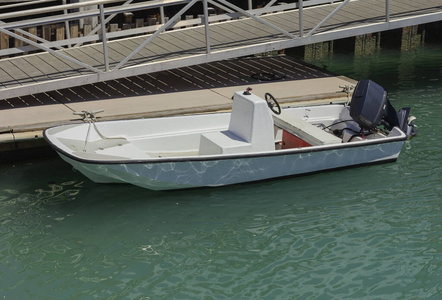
{"type": "Point", "coordinates": [366, 233]}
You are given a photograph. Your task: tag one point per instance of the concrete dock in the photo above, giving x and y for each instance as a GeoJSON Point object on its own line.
{"type": "Point", "coordinates": [197, 89]}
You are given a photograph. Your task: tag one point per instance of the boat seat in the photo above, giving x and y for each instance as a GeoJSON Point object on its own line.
{"type": "Point", "coordinates": [222, 142]}
{"type": "Point", "coordinates": [312, 134]}
{"type": "Point", "coordinates": [250, 129]}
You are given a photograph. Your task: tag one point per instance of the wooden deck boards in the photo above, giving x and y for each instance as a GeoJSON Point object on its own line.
{"type": "Point", "coordinates": [15, 72]}
{"type": "Point", "coordinates": [84, 55]}
{"type": "Point", "coordinates": [44, 67]}
{"type": "Point", "coordinates": [125, 48]}
{"type": "Point", "coordinates": [6, 79]}
{"type": "Point", "coordinates": [183, 44]}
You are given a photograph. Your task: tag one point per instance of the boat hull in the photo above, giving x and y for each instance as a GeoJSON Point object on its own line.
{"type": "Point", "coordinates": [227, 170]}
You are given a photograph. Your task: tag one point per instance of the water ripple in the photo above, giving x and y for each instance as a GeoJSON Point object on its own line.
{"type": "Point", "coordinates": [365, 233]}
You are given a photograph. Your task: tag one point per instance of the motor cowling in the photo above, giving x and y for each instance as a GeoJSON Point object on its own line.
{"type": "Point", "coordinates": [370, 108]}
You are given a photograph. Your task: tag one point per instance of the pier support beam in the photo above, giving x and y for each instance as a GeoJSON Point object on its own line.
{"type": "Point", "coordinates": [367, 44]}
{"type": "Point", "coordinates": [411, 38]}
{"type": "Point", "coordinates": [318, 51]}
{"type": "Point", "coordinates": [4, 41]}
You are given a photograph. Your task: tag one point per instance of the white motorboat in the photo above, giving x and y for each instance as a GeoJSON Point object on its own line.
{"type": "Point", "coordinates": [251, 143]}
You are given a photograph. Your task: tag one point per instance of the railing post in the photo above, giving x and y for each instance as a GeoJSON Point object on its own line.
{"type": "Point", "coordinates": [206, 25]}
{"type": "Point", "coordinates": [96, 28]}
{"type": "Point", "coordinates": [104, 38]}
{"type": "Point", "coordinates": [250, 4]}
{"type": "Point", "coordinates": [162, 15]}
{"type": "Point", "coordinates": [387, 10]}
{"type": "Point", "coordinates": [66, 24]}
{"type": "Point", "coordinates": [301, 14]}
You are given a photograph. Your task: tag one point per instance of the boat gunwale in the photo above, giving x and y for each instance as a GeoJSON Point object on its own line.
{"type": "Point", "coordinates": [155, 160]}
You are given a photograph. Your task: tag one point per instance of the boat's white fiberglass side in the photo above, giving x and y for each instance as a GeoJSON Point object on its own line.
{"type": "Point", "coordinates": [250, 144]}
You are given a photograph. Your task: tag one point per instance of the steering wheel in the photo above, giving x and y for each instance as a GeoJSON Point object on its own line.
{"type": "Point", "coordinates": [272, 103]}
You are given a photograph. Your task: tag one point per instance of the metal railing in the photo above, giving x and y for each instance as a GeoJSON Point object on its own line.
{"type": "Point", "coordinates": [67, 13]}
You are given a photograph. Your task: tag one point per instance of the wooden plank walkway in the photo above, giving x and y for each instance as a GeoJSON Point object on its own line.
{"type": "Point", "coordinates": [36, 73]}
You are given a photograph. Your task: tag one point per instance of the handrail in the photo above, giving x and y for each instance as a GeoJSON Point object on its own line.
{"type": "Point", "coordinates": [20, 4]}
{"type": "Point", "coordinates": [139, 6]}
{"type": "Point", "coordinates": [112, 11]}
{"type": "Point", "coordinates": [233, 11]}
{"type": "Point", "coordinates": [54, 8]}
{"type": "Point", "coordinates": [84, 14]}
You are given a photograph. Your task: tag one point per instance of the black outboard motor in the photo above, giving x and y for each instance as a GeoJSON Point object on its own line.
{"type": "Point", "coordinates": [370, 108]}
